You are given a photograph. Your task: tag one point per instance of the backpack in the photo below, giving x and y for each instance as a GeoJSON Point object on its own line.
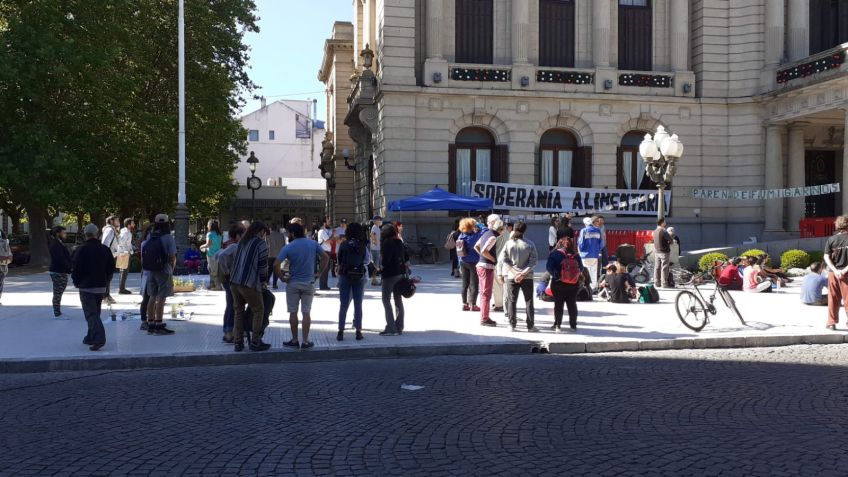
{"type": "Point", "coordinates": [353, 265]}
{"type": "Point", "coordinates": [153, 256]}
{"type": "Point", "coordinates": [569, 271]}
{"type": "Point", "coordinates": [450, 241]}
{"type": "Point", "coordinates": [648, 294]}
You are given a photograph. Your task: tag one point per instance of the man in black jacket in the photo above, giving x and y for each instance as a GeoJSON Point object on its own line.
{"type": "Point", "coordinates": [93, 266]}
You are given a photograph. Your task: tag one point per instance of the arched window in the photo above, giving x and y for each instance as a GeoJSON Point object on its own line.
{"type": "Point", "coordinates": [562, 163]}
{"type": "Point", "coordinates": [474, 31]}
{"type": "Point", "coordinates": [631, 166]}
{"type": "Point", "coordinates": [474, 156]}
{"type": "Point", "coordinates": [556, 33]}
{"type": "Point", "coordinates": [828, 24]}
{"type": "Point", "coordinates": [635, 29]}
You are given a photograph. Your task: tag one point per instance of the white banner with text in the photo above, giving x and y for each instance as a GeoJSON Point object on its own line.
{"type": "Point", "coordinates": [753, 194]}
{"type": "Point", "coordinates": [545, 199]}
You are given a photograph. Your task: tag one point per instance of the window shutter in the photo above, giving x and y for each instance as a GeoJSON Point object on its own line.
{"type": "Point", "coordinates": [634, 38]}
{"type": "Point", "coordinates": [585, 180]}
{"type": "Point", "coordinates": [474, 31]}
{"type": "Point", "coordinates": [619, 167]}
{"type": "Point", "coordinates": [452, 168]}
{"type": "Point", "coordinates": [500, 166]}
{"type": "Point", "coordinates": [556, 33]}
{"type": "Point", "coordinates": [538, 166]}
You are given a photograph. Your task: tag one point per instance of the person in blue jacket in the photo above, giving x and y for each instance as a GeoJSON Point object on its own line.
{"type": "Point", "coordinates": [470, 233]}
{"type": "Point", "coordinates": [589, 244]}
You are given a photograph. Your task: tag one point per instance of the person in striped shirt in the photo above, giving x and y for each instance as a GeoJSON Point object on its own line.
{"type": "Point", "coordinates": [248, 278]}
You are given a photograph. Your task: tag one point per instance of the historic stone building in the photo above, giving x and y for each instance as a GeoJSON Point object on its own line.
{"type": "Point", "coordinates": [561, 92]}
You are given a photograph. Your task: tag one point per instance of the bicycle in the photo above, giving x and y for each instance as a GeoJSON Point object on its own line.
{"type": "Point", "coordinates": [426, 251]}
{"type": "Point", "coordinates": [694, 310]}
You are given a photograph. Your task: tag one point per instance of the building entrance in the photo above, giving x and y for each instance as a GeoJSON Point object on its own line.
{"type": "Point", "coordinates": [821, 167]}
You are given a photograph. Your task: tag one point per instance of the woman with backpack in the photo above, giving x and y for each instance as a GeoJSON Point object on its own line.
{"type": "Point", "coordinates": [354, 258]}
{"type": "Point", "coordinates": [468, 257]}
{"type": "Point", "coordinates": [394, 259]}
{"type": "Point", "coordinates": [564, 266]}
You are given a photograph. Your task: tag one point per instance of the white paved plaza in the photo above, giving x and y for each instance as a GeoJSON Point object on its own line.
{"type": "Point", "coordinates": [433, 318]}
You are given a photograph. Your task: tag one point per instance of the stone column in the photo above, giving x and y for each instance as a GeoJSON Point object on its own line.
{"type": "Point", "coordinates": [434, 29]}
{"type": "Point", "coordinates": [601, 32]}
{"type": "Point", "coordinates": [520, 31]}
{"type": "Point", "coordinates": [799, 29]}
{"type": "Point", "coordinates": [796, 174]}
{"type": "Point", "coordinates": [774, 177]}
{"type": "Point", "coordinates": [775, 28]}
{"type": "Point", "coordinates": [679, 35]}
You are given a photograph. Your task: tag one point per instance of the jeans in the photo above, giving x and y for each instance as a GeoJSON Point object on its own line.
{"type": "Point", "coordinates": [486, 278]}
{"type": "Point", "coordinates": [394, 322]}
{"type": "Point", "coordinates": [91, 303]}
{"type": "Point", "coordinates": [60, 282]}
{"type": "Point", "coordinates": [662, 267]}
{"type": "Point", "coordinates": [322, 281]}
{"type": "Point", "coordinates": [229, 311]}
{"type": "Point", "coordinates": [124, 273]}
{"type": "Point", "coordinates": [525, 287]}
{"type": "Point", "coordinates": [565, 294]}
{"type": "Point", "coordinates": [247, 296]}
{"type": "Point", "coordinates": [454, 260]}
{"type": "Point", "coordinates": [469, 283]}
{"type": "Point", "coordinates": [348, 290]}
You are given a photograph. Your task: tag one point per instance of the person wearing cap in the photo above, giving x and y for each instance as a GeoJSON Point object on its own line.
{"type": "Point", "coordinates": [590, 244]}
{"type": "Point", "coordinates": [109, 238]}
{"type": "Point", "coordinates": [374, 238]}
{"type": "Point", "coordinates": [60, 268]}
{"type": "Point", "coordinates": [93, 265]}
{"type": "Point", "coordinates": [160, 283]}
{"type": "Point", "coordinates": [498, 295]}
{"type": "Point", "coordinates": [485, 247]}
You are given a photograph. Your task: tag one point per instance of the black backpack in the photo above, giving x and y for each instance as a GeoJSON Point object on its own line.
{"type": "Point", "coordinates": [353, 264]}
{"type": "Point", "coordinates": [153, 256]}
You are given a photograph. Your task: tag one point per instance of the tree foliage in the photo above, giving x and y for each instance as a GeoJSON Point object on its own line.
{"type": "Point", "coordinates": [88, 91]}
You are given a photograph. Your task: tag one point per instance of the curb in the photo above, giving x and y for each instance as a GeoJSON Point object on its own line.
{"type": "Point", "coordinates": [96, 363]}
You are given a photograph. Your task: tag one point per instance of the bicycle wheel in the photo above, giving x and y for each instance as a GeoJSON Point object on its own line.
{"type": "Point", "coordinates": [691, 310]}
{"type": "Point", "coordinates": [731, 303]}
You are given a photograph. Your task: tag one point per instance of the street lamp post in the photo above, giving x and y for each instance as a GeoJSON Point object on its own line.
{"type": "Point", "coordinates": [253, 183]}
{"type": "Point", "coordinates": [181, 214]}
{"type": "Point", "coordinates": [661, 154]}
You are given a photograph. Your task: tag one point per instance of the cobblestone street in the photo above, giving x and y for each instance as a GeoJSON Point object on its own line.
{"type": "Point", "coordinates": [712, 412]}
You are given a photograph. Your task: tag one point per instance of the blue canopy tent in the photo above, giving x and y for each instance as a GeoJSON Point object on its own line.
{"type": "Point", "coordinates": [439, 199]}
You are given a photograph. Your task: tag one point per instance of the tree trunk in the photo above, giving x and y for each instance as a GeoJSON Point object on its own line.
{"type": "Point", "coordinates": [15, 218]}
{"type": "Point", "coordinates": [80, 222]}
{"type": "Point", "coordinates": [39, 254]}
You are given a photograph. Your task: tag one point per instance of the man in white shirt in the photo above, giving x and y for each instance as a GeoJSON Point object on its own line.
{"type": "Point", "coordinates": [109, 238]}
{"type": "Point", "coordinates": [375, 248]}
{"type": "Point", "coordinates": [125, 249]}
{"type": "Point", "coordinates": [326, 236]}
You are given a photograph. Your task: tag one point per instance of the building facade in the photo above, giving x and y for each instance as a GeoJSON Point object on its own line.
{"type": "Point", "coordinates": [561, 92]}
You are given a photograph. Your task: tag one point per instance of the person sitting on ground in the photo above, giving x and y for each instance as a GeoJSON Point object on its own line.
{"type": "Point", "coordinates": [774, 274]}
{"type": "Point", "coordinates": [814, 283]}
{"type": "Point", "coordinates": [191, 258]}
{"type": "Point", "coordinates": [730, 278]}
{"type": "Point", "coordinates": [753, 279]}
{"type": "Point", "coordinates": [620, 284]}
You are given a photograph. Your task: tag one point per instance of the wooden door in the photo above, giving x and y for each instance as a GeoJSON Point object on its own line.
{"type": "Point", "coordinates": [820, 168]}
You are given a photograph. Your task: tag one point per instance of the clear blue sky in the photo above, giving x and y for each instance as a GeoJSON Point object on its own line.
{"type": "Point", "coordinates": [286, 54]}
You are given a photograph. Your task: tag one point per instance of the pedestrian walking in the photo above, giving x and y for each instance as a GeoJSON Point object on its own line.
{"type": "Point", "coordinates": [470, 233]}
{"type": "Point", "coordinates": [498, 295]}
{"type": "Point", "coordinates": [516, 263]}
{"type": "Point", "coordinates": [125, 251]}
{"type": "Point", "coordinates": [374, 239]}
{"type": "Point", "coordinates": [354, 258]}
{"type": "Point", "coordinates": [93, 264]}
{"type": "Point", "coordinates": [109, 238]}
{"type": "Point", "coordinates": [276, 242]}
{"type": "Point", "coordinates": [450, 244]}
{"type": "Point", "coordinates": [225, 259]}
{"type": "Point", "coordinates": [159, 257]}
{"type": "Point", "coordinates": [248, 278]}
{"type": "Point", "coordinates": [565, 266]}
{"type": "Point", "coordinates": [395, 267]}
{"type": "Point", "coordinates": [60, 268]}
{"type": "Point", "coordinates": [214, 242]}
{"type": "Point", "coordinates": [836, 258]}
{"type": "Point", "coordinates": [662, 256]}
{"type": "Point", "coordinates": [485, 247]}
{"type": "Point", "coordinates": [5, 259]}
{"type": "Point", "coordinates": [300, 289]}
{"type": "Point", "coordinates": [326, 239]}
{"type": "Point", "coordinates": [590, 244]}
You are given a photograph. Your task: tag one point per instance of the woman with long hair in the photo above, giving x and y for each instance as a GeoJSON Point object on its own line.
{"type": "Point", "coordinates": [394, 258]}
{"type": "Point", "coordinates": [469, 233]}
{"type": "Point", "coordinates": [564, 258]}
{"type": "Point", "coordinates": [60, 268]}
{"type": "Point", "coordinates": [354, 257]}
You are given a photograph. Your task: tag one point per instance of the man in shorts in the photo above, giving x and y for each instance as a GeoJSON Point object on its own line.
{"type": "Point", "coordinates": [301, 254]}
{"type": "Point", "coordinates": [160, 283]}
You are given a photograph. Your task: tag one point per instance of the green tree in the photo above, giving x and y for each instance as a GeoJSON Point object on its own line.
{"type": "Point", "coordinates": [89, 94]}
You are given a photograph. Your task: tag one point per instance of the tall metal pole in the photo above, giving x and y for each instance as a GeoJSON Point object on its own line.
{"type": "Point", "coordinates": [181, 216]}
{"type": "Point", "coordinates": [661, 199]}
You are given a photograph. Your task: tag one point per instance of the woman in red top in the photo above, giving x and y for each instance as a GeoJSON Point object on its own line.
{"type": "Point", "coordinates": [730, 277]}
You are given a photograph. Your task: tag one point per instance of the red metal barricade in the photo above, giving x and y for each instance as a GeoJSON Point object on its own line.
{"type": "Point", "coordinates": [637, 238]}
{"type": "Point", "coordinates": [817, 227]}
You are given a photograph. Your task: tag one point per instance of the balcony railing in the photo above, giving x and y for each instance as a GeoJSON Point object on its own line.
{"type": "Point", "coordinates": [826, 60]}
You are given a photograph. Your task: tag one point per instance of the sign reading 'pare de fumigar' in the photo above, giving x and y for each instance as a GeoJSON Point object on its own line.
{"type": "Point", "coordinates": [544, 199]}
{"type": "Point", "coordinates": [746, 194]}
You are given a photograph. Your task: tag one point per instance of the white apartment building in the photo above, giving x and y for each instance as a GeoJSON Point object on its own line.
{"type": "Point", "coordinates": [561, 92]}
